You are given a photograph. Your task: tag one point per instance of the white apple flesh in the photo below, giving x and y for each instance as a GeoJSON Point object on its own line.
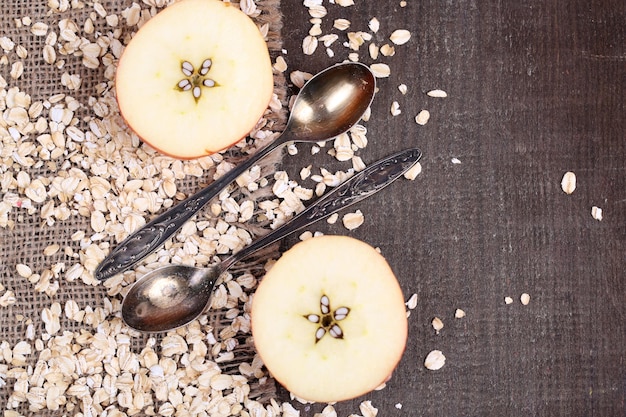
{"type": "Point", "coordinates": [329, 320]}
{"type": "Point", "coordinates": [195, 79]}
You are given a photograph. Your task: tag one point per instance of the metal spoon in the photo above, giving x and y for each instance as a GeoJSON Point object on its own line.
{"type": "Point", "coordinates": [328, 105]}
{"type": "Point", "coordinates": [174, 295]}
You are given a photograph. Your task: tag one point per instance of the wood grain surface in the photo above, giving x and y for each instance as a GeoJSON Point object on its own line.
{"type": "Point", "coordinates": [535, 89]}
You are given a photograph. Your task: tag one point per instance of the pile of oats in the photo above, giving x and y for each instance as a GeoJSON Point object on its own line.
{"type": "Point", "coordinates": [75, 181]}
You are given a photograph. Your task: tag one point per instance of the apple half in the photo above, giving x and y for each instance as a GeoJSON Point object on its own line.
{"type": "Point", "coordinates": [329, 319]}
{"type": "Point", "coordinates": [195, 79]}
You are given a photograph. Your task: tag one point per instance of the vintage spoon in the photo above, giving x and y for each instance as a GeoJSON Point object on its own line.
{"type": "Point", "coordinates": [329, 104]}
{"type": "Point", "coordinates": [174, 295]}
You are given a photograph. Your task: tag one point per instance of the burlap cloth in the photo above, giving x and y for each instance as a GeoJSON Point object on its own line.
{"type": "Point", "coordinates": [41, 282]}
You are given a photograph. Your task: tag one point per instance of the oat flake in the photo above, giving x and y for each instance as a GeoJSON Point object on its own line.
{"type": "Point", "coordinates": [380, 70]}
{"type": "Point", "coordinates": [437, 93]}
{"type": "Point", "coordinates": [309, 45]}
{"type": "Point", "coordinates": [374, 24]}
{"type": "Point", "coordinates": [422, 117]}
{"type": "Point", "coordinates": [395, 108]}
{"type": "Point", "coordinates": [435, 360]}
{"type": "Point", "coordinates": [412, 303]}
{"type": "Point", "coordinates": [353, 220]}
{"type": "Point", "coordinates": [413, 172]}
{"type": "Point", "coordinates": [400, 36]}
{"type": "Point", "coordinates": [596, 213]}
{"type": "Point", "coordinates": [437, 324]}
{"type": "Point", "coordinates": [568, 182]}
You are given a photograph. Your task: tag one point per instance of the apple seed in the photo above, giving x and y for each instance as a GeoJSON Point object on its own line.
{"type": "Point", "coordinates": [187, 68]}
{"type": "Point", "coordinates": [184, 84]}
{"type": "Point", "coordinates": [195, 80]}
{"type": "Point", "coordinates": [341, 313]}
{"type": "Point", "coordinates": [328, 319]}
{"type": "Point", "coordinates": [313, 318]}
{"type": "Point", "coordinates": [206, 66]}
{"type": "Point", "coordinates": [336, 332]}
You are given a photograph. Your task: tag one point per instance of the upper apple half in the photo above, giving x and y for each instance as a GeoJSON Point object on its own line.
{"type": "Point", "coordinates": [195, 79]}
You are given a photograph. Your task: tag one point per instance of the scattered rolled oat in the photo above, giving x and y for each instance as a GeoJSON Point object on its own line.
{"type": "Point", "coordinates": [508, 300]}
{"type": "Point", "coordinates": [358, 164]}
{"type": "Point", "coordinates": [403, 88]}
{"type": "Point", "coordinates": [374, 24]}
{"type": "Point", "coordinates": [341, 24]}
{"type": "Point", "coordinates": [380, 70]}
{"type": "Point", "coordinates": [459, 314]}
{"type": "Point", "coordinates": [315, 30]}
{"type": "Point", "coordinates": [525, 299]}
{"type": "Point", "coordinates": [7, 299]}
{"type": "Point", "coordinates": [373, 50]}
{"type": "Point", "coordinates": [437, 93]}
{"type": "Point", "coordinates": [17, 69]}
{"type": "Point", "coordinates": [395, 108]}
{"type": "Point", "coordinates": [6, 44]}
{"type": "Point", "coordinates": [596, 213]}
{"type": "Point", "coordinates": [353, 220]}
{"type": "Point", "coordinates": [400, 36]}
{"type": "Point", "coordinates": [305, 172]}
{"type": "Point", "coordinates": [412, 303]}
{"type": "Point", "coordinates": [387, 50]}
{"type": "Point", "coordinates": [328, 411]}
{"type": "Point", "coordinates": [455, 161]}
{"type": "Point", "coordinates": [51, 249]}
{"type": "Point", "coordinates": [437, 324]}
{"type": "Point", "coordinates": [329, 39]}
{"type": "Point", "coordinates": [435, 360]}
{"type": "Point", "coordinates": [332, 219]}
{"type": "Point", "coordinates": [298, 78]}
{"type": "Point", "coordinates": [367, 409]}
{"type": "Point", "coordinates": [422, 117]}
{"type": "Point", "coordinates": [568, 183]}
{"type": "Point", "coordinates": [280, 65]}
{"type": "Point", "coordinates": [309, 45]}
{"type": "Point", "coordinates": [24, 270]}
{"type": "Point", "coordinates": [413, 172]}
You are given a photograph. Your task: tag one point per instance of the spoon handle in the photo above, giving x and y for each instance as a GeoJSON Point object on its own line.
{"type": "Point", "coordinates": [152, 235]}
{"type": "Point", "coordinates": [363, 184]}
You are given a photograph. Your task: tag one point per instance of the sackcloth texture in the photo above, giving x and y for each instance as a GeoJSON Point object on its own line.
{"type": "Point", "coordinates": [53, 171]}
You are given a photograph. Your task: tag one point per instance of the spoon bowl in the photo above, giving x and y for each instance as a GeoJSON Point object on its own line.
{"type": "Point", "coordinates": [174, 295]}
{"type": "Point", "coordinates": [328, 105]}
{"type": "Point", "coordinates": [168, 297]}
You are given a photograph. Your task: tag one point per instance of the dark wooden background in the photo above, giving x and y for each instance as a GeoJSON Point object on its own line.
{"type": "Point", "coordinates": [536, 88]}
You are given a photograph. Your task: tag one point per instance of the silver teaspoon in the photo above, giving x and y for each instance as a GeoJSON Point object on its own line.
{"type": "Point", "coordinates": [174, 295]}
{"type": "Point", "coordinates": [328, 105]}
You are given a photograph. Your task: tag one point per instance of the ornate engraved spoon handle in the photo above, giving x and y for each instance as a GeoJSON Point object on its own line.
{"type": "Point", "coordinates": [360, 186]}
{"type": "Point", "coordinates": [151, 236]}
